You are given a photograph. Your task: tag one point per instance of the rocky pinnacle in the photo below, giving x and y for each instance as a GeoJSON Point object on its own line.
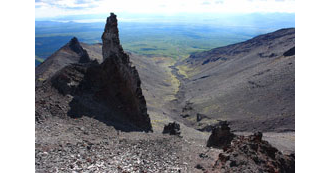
{"type": "Point", "coordinates": [76, 47]}
{"type": "Point", "coordinates": [130, 90]}
{"type": "Point", "coordinates": [110, 38]}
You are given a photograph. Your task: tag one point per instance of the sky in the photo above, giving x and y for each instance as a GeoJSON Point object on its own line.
{"type": "Point", "coordinates": [58, 8]}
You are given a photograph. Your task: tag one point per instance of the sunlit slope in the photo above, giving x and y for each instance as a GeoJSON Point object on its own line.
{"type": "Point", "coordinates": [251, 84]}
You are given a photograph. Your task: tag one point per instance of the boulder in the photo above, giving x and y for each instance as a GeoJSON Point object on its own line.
{"type": "Point", "coordinates": [172, 129]}
{"type": "Point", "coordinates": [221, 136]}
{"type": "Point", "coordinates": [199, 117]}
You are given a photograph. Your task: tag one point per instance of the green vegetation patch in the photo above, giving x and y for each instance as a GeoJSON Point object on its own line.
{"type": "Point", "coordinates": [177, 41]}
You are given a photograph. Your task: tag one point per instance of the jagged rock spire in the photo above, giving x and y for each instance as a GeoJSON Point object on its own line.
{"type": "Point", "coordinates": [110, 38]}
{"type": "Point", "coordinates": [117, 64]}
{"type": "Point", "coordinates": [76, 47]}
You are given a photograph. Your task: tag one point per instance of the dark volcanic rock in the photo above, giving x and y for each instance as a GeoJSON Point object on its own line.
{"type": "Point", "coordinates": [76, 47]}
{"type": "Point", "coordinates": [198, 166]}
{"type": "Point", "coordinates": [111, 43]}
{"type": "Point", "coordinates": [199, 117]}
{"type": "Point", "coordinates": [172, 129]}
{"type": "Point", "coordinates": [220, 137]}
{"type": "Point", "coordinates": [110, 92]}
{"type": "Point", "coordinates": [184, 115]}
{"type": "Point", "coordinates": [211, 126]}
{"type": "Point", "coordinates": [257, 136]}
{"type": "Point", "coordinates": [290, 52]}
{"type": "Point", "coordinates": [252, 154]}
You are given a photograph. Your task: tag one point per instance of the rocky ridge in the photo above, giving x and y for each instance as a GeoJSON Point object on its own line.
{"type": "Point", "coordinates": [109, 92]}
{"type": "Point", "coordinates": [70, 53]}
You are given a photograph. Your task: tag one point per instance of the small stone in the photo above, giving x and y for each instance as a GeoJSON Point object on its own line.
{"type": "Point", "coordinates": [198, 166]}
{"type": "Point", "coordinates": [232, 163]}
{"type": "Point", "coordinates": [202, 155]}
{"type": "Point", "coordinates": [257, 136]}
{"type": "Point", "coordinates": [199, 117]}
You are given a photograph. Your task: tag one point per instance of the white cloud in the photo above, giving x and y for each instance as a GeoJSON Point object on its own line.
{"type": "Point", "coordinates": [51, 8]}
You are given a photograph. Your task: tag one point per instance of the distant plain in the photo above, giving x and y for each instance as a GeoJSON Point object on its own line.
{"type": "Point", "coordinates": [175, 36]}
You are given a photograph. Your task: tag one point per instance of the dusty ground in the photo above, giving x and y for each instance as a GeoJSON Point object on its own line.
{"type": "Point", "coordinates": [85, 144]}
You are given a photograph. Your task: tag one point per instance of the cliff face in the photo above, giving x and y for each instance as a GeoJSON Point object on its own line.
{"type": "Point", "coordinates": [109, 92]}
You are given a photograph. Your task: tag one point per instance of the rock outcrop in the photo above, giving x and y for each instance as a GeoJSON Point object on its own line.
{"type": "Point", "coordinates": [290, 52]}
{"type": "Point", "coordinates": [172, 129]}
{"type": "Point", "coordinates": [110, 37]}
{"type": "Point", "coordinates": [252, 154]}
{"type": "Point", "coordinates": [76, 47]}
{"type": "Point", "coordinates": [221, 137]}
{"type": "Point", "coordinates": [110, 91]}
{"type": "Point", "coordinates": [247, 153]}
{"type": "Point", "coordinates": [70, 53]}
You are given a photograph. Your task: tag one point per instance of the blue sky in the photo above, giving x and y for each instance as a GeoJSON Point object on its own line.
{"type": "Point", "coordinates": [57, 8]}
